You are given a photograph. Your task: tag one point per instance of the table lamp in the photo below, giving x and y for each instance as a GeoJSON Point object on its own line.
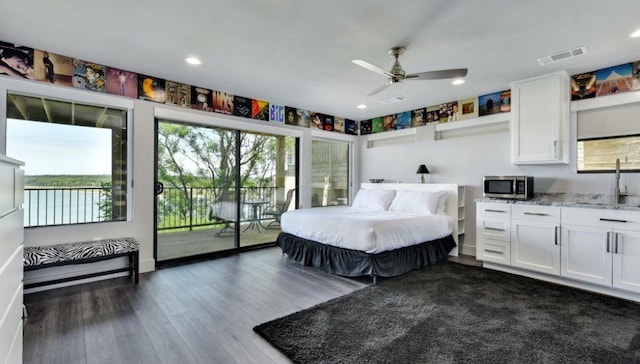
{"type": "Point", "coordinates": [422, 170]}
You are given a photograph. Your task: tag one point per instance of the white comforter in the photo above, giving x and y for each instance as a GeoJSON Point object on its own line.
{"type": "Point", "coordinates": [365, 230]}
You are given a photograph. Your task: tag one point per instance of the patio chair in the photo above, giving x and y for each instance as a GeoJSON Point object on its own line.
{"type": "Point", "coordinates": [224, 210]}
{"type": "Point", "coordinates": [277, 212]}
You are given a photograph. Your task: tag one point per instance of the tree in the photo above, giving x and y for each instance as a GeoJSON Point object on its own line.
{"type": "Point", "coordinates": [105, 204]}
{"type": "Point", "coordinates": [206, 157]}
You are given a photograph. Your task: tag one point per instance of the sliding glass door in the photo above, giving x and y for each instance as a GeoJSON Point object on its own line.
{"type": "Point", "coordinates": [268, 179]}
{"type": "Point", "coordinates": [219, 189]}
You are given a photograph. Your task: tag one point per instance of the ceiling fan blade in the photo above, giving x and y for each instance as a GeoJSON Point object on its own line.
{"type": "Point", "coordinates": [437, 75]}
{"type": "Point", "coordinates": [370, 67]}
{"type": "Point", "coordinates": [379, 89]}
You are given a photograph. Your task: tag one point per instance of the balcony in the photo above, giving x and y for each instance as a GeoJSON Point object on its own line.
{"type": "Point", "coordinates": [177, 208]}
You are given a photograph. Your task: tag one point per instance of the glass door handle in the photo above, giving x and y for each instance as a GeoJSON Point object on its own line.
{"type": "Point", "coordinates": [159, 188]}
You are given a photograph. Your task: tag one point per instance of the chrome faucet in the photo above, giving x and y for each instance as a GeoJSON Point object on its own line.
{"type": "Point", "coordinates": [618, 195]}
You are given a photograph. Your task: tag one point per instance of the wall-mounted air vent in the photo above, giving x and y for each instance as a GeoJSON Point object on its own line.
{"type": "Point", "coordinates": [562, 56]}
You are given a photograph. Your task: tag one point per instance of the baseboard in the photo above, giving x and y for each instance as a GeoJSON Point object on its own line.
{"type": "Point", "coordinates": [565, 281]}
{"type": "Point", "coordinates": [147, 265]}
{"type": "Point", "coordinates": [468, 249]}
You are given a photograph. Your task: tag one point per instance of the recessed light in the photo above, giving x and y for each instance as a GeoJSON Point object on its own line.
{"type": "Point", "coordinates": [635, 34]}
{"type": "Point", "coordinates": [193, 61]}
{"type": "Point", "coordinates": [457, 82]}
{"type": "Point", "coordinates": [362, 106]}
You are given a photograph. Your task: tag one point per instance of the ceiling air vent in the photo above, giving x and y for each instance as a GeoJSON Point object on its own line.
{"type": "Point", "coordinates": [391, 100]}
{"type": "Point", "coordinates": [562, 56]}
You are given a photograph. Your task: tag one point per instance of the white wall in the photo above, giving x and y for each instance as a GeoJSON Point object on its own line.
{"type": "Point", "coordinates": [464, 156]}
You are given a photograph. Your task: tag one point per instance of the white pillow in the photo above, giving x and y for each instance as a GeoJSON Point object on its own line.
{"type": "Point", "coordinates": [442, 201]}
{"type": "Point", "coordinates": [374, 199]}
{"type": "Point", "coordinates": [417, 202]}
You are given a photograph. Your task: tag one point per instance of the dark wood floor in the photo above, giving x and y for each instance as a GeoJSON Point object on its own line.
{"type": "Point", "coordinates": [201, 312]}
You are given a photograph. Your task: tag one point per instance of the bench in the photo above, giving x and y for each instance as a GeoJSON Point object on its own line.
{"type": "Point", "coordinates": [38, 257]}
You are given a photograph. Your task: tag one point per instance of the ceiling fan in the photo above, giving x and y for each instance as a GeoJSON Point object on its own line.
{"type": "Point", "coordinates": [397, 74]}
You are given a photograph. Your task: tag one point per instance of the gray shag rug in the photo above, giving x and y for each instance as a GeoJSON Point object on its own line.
{"type": "Point", "coordinates": [452, 313]}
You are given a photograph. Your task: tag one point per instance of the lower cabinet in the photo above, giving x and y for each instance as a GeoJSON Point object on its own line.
{"type": "Point", "coordinates": [626, 260]}
{"type": "Point", "coordinates": [602, 247]}
{"type": "Point", "coordinates": [493, 233]}
{"type": "Point", "coordinates": [586, 254]}
{"type": "Point", "coordinates": [535, 241]}
{"type": "Point", "coordinates": [597, 246]}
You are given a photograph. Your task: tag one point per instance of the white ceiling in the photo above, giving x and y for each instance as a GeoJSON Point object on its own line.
{"type": "Point", "coordinates": [299, 53]}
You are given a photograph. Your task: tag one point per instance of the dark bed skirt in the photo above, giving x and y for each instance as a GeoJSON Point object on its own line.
{"type": "Point", "coordinates": [355, 263]}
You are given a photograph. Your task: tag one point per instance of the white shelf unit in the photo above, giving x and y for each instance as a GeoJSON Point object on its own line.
{"type": "Point", "coordinates": [461, 198]}
{"type": "Point", "coordinates": [392, 134]}
{"type": "Point", "coordinates": [479, 122]}
{"type": "Point", "coordinates": [412, 135]}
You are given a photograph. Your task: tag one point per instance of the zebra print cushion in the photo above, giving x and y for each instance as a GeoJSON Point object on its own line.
{"type": "Point", "coordinates": [41, 255]}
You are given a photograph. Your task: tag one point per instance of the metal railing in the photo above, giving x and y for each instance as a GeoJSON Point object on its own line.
{"type": "Point", "coordinates": [64, 205]}
{"type": "Point", "coordinates": [192, 207]}
{"type": "Point", "coordinates": [177, 208]}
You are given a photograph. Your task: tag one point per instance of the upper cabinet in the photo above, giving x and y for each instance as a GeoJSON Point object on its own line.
{"type": "Point", "coordinates": [540, 120]}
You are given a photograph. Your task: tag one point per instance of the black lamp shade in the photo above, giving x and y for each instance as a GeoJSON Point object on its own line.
{"type": "Point", "coordinates": [422, 169]}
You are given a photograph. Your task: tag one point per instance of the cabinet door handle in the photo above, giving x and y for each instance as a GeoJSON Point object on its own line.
{"type": "Point", "coordinates": [612, 220]}
{"type": "Point", "coordinates": [555, 149]}
{"type": "Point", "coordinates": [492, 251]}
{"type": "Point", "coordinates": [489, 210]}
{"type": "Point", "coordinates": [536, 213]}
{"type": "Point", "coordinates": [556, 230]}
{"type": "Point", "coordinates": [494, 229]}
{"type": "Point", "coordinates": [616, 251]}
{"type": "Point", "coordinates": [608, 241]}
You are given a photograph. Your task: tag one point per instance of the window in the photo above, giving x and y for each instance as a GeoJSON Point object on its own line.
{"type": "Point", "coordinates": [607, 134]}
{"type": "Point", "coordinates": [330, 173]}
{"type": "Point", "coordinates": [75, 160]}
{"type": "Point", "coordinates": [599, 155]}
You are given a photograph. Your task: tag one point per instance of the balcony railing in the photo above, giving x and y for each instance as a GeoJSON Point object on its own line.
{"type": "Point", "coordinates": [61, 206]}
{"type": "Point", "coordinates": [177, 208]}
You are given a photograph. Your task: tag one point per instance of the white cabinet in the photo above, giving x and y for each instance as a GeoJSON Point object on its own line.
{"type": "Point", "coordinates": [493, 242]}
{"type": "Point", "coordinates": [11, 271]}
{"type": "Point", "coordinates": [589, 248]}
{"type": "Point", "coordinates": [585, 254]}
{"type": "Point", "coordinates": [540, 120]}
{"type": "Point", "coordinates": [626, 260]}
{"type": "Point", "coordinates": [602, 247]}
{"type": "Point", "coordinates": [535, 241]}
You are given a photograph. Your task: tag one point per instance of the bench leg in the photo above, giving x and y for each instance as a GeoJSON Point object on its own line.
{"type": "Point", "coordinates": [134, 266]}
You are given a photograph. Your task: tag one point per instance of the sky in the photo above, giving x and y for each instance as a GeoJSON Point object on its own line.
{"type": "Point", "coordinates": [49, 148]}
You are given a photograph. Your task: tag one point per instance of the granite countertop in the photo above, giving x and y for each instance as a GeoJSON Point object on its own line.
{"type": "Point", "coordinates": [587, 200]}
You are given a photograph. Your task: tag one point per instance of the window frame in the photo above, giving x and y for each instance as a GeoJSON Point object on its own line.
{"type": "Point", "coordinates": [66, 94]}
{"type": "Point", "coordinates": [590, 104]}
{"type": "Point", "coordinates": [607, 171]}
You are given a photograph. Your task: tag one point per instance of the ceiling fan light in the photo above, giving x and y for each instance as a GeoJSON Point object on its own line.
{"type": "Point", "coordinates": [457, 82]}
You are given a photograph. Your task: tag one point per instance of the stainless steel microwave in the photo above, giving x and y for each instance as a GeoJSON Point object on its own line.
{"type": "Point", "coordinates": [510, 187]}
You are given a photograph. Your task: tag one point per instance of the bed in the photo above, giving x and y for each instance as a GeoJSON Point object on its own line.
{"type": "Point", "coordinates": [389, 230]}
